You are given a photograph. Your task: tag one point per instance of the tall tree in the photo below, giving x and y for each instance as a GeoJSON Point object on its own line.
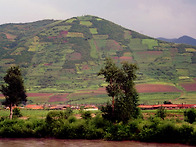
{"type": "Point", "coordinates": [13, 89]}
{"type": "Point", "coordinates": [122, 89]}
{"type": "Point", "coordinates": [110, 73]}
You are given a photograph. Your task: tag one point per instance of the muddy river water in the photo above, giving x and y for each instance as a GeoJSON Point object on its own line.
{"type": "Point", "coordinates": [78, 143]}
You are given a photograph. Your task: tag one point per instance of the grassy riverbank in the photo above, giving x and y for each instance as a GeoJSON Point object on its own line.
{"type": "Point", "coordinates": [64, 124]}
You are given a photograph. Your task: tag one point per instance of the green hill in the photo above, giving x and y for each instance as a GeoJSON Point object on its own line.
{"type": "Point", "coordinates": [64, 56]}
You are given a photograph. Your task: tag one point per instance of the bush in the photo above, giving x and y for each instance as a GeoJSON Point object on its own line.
{"type": "Point", "coordinates": [190, 115]}
{"type": "Point", "coordinates": [16, 112]}
{"type": "Point", "coordinates": [72, 119]}
{"type": "Point", "coordinates": [167, 132]}
{"type": "Point", "coordinates": [186, 132]}
{"type": "Point", "coordinates": [161, 112]}
{"type": "Point", "coordinates": [86, 115]}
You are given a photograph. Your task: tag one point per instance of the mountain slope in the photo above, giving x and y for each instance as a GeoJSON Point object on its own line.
{"type": "Point", "coordinates": [184, 39]}
{"type": "Point", "coordinates": [66, 55]}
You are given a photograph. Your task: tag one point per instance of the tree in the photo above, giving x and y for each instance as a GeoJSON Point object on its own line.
{"type": "Point", "coordinates": [161, 112]}
{"type": "Point", "coordinates": [110, 73]}
{"type": "Point", "coordinates": [13, 90]}
{"type": "Point", "coordinates": [190, 115]}
{"type": "Point", "coordinates": [121, 88]}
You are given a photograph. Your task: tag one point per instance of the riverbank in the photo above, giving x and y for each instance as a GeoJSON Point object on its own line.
{"type": "Point", "coordinates": [64, 125]}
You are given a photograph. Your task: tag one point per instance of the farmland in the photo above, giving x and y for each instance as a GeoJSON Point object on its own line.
{"type": "Point", "coordinates": [61, 58]}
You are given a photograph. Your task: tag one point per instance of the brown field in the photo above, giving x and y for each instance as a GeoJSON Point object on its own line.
{"type": "Point", "coordinates": [59, 98]}
{"type": "Point", "coordinates": [124, 58]}
{"type": "Point", "coordinates": [39, 94]}
{"type": "Point", "coordinates": [189, 86]}
{"type": "Point", "coordinates": [151, 88]}
{"type": "Point", "coordinates": [75, 56]}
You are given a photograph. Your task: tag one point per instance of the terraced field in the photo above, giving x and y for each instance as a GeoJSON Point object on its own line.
{"type": "Point", "coordinates": [62, 58]}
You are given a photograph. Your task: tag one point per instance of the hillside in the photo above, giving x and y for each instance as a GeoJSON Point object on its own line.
{"type": "Point", "coordinates": [184, 39]}
{"type": "Point", "coordinates": [64, 56]}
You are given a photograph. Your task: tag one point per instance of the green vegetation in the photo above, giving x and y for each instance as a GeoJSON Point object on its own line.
{"type": "Point", "coordinates": [13, 90]}
{"type": "Point", "coordinates": [16, 112]}
{"type": "Point", "coordinates": [190, 115]}
{"type": "Point", "coordinates": [93, 30]}
{"type": "Point", "coordinates": [161, 112]}
{"type": "Point", "coordinates": [121, 89]}
{"type": "Point", "coordinates": [65, 125]}
{"type": "Point", "coordinates": [150, 42]}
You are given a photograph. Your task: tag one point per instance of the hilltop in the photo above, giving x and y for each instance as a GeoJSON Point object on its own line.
{"type": "Point", "coordinates": [64, 56]}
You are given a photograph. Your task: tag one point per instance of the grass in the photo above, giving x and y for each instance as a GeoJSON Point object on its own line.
{"type": "Point", "coordinates": [136, 44]}
{"type": "Point", "coordinates": [127, 34]}
{"type": "Point", "coordinates": [86, 23]}
{"type": "Point", "coordinates": [190, 50]}
{"type": "Point", "coordinates": [93, 51]}
{"type": "Point", "coordinates": [100, 36]}
{"type": "Point", "coordinates": [182, 71]}
{"type": "Point", "coordinates": [158, 98]}
{"type": "Point", "coordinates": [75, 34]}
{"type": "Point", "coordinates": [93, 31]}
{"type": "Point", "coordinates": [70, 20]}
{"type": "Point", "coordinates": [42, 113]}
{"type": "Point", "coordinates": [150, 42]}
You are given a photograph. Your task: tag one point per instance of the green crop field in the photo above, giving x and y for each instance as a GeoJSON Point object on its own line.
{"type": "Point", "coordinates": [159, 98]}
{"type": "Point", "coordinates": [150, 42]}
{"type": "Point", "coordinates": [86, 23]}
{"type": "Point", "coordinates": [93, 31]}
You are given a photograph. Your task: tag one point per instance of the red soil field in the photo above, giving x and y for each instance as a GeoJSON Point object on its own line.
{"type": "Point", "coordinates": [189, 86]}
{"type": "Point", "coordinates": [173, 52]}
{"type": "Point", "coordinates": [113, 45]}
{"type": "Point", "coordinates": [124, 58]}
{"type": "Point", "coordinates": [39, 94]}
{"type": "Point", "coordinates": [151, 88]}
{"type": "Point", "coordinates": [115, 58]}
{"type": "Point", "coordinates": [75, 56]}
{"type": "Point", "coordinates": [10, 36]}
{"type": "Point", "coordinates": [59, 98]}
{"type": "Point", "coordinates": [85, 67]}
{"type": "Point", "coordinates": [63, 33]}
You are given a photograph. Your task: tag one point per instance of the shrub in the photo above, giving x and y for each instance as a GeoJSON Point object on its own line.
{"type": "Point", "coordinates": [72, 119]}
{"type": "Point", "coordinates": [161, 112]}
{"type": "Point", "coordinates": [190, 115]}
{"type": "Point", "coordinates": [186, 132]}
{"type": "Point", "coordinates": [86, 115]}
{"type": "Point", "coordinates": [57, 115]}
{"type": "Point", "coordinates": [16, 112]}
{"type": "Point", "coordinates": [117, 132]}
{"type": "Point", "coordinates": [167, 132]}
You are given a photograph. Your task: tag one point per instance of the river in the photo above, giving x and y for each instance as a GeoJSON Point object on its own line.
{"type": "Point", "coordinates": [79, 143]}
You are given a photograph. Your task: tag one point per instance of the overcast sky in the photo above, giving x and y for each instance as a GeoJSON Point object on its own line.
{"type": "Point", "coordinates": [155, 18]}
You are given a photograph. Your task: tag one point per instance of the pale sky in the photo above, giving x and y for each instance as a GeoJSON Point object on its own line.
{"type": "Point", "coordinates": [155, 18]}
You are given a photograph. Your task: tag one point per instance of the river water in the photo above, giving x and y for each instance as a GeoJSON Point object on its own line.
{"type": "Point", "coordinates": [79, 143]}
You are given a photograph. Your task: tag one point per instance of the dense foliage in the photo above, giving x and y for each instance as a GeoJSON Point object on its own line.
{"type": "Point", "coordinates": [190, 115]}
{"type": "Point", "coordinates": [121, 89]}
{"type": "Point", "coordinates": [62, 124]}
{"type": "Point", "coordinates": [13, 89]}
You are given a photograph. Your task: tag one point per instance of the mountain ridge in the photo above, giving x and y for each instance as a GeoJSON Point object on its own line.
{"type": "Point", "coordinates": [183, 39]}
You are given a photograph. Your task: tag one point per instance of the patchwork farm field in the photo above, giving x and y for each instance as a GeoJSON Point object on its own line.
{"type": "Point", "coordinates": [60, 60]}
{"type": "Point", "coordinates": [148, 94]}
{"type": "Point", "coordinates": [153, 88]}
{"type": "Point", "coordinates": [189, 86]}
